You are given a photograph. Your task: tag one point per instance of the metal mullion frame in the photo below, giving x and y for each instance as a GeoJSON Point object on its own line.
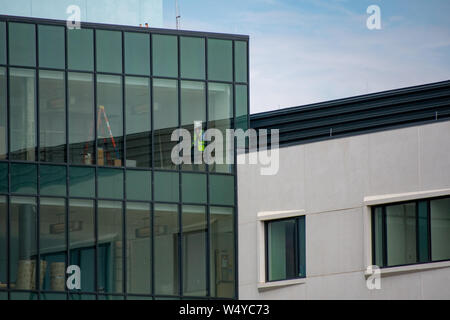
{"type": "Point", "coordinates": [430, 256]}
{"type": "Point", "coordinates": [235, 211]}
{"type": "Point", "coordinates": [208, 206]}
{"type": "Point", "coordinates": [180, 196]}
{"type": "Point", "coordinates": [152, 206]}
{"type": "Point", "coordinates": [94, 31]}
{"type": "Point", "coordinates": [8, 147]}
{"type": "Point", "coordinates": [384, 235]}
{"type": "Point", "coordinates": [416, 208]}
{"type": "Point", "coordinates": [373, 235]}
{"type": "Point", "coordinates": [67, 216]}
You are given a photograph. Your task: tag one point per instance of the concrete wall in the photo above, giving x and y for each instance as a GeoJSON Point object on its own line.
{"type": "Point", "coordinates": [329, 180]}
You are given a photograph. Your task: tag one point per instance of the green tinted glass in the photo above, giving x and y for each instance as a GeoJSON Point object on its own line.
{"type": "Point", "coordinates": [82, 182]}
{"type": "Point", "coordinates": [220, 56]}
{"type": "Point", "coordinates": [3, 177]}
{"type": "Point", "coordinates": [165, 56]}
{"type": "Point", "coordinates": [221, 189]}
{"type": "Point", "coordinates": [52, 180]}
{"type": "Point", "coordinates": [51, 47]}
{"type": "Point", "coordinates": [166, 186]}
{"type": "Point", "coordinates": [139, 185]}
{"type": "Point", "coordinates": [194, 188]}
{"type": "Point", "coordinates": [80, 49]}
{"type": "Point", "coordinates": [440, 229]}
{"type": "Point", "coordinates": [240, 56]}
{"type": "Point", "coordinates": [110, 183]}
{"type": "Point", "coordinates": [23, 178]}
{"type": "Point", "coordinates": [2, 42]}
{"type": "Point", "coordinates": [3, 115]}
{"type": "Point", "coordinates": [241, 107]}
{"type": "Point", "coordinates": [192, 60]}
{"type": "Point", "coordinates": [109, 51]}
{"type": "Point", "coordinates": [193, 102]}
{"type": "Point", "coordinates": [22, 44]}
{"type": "Point", "coordinates": [137, 53]}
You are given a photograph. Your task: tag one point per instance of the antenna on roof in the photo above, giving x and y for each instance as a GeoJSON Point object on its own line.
{"type": "Point", "coordinates": [178, 16]}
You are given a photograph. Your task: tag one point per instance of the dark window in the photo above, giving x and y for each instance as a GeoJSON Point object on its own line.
{"type": "Point", "coordinates": [285, 249]}
{"type": "Point", "coordinates": [411, 232]}
{"type": "Point", "coordinates": [3, 115]}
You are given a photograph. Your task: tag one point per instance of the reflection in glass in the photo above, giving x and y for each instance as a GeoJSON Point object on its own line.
{"type": "Point", "coordinates": [3, 177]}
{"type": "Point", "coordinates": [3, 242]}
{"type": "Point", "coordinates": [221, 189]}
{"type": "Point", "coordinates": [82, 240]}
{"type": "Point", "coordinates": [378, 236]}
{"type": "Point", "coordinates": [52, 180]}
{"type": "Point", "coordinates": [139, 241]}
{"type": "Point", "coordinates": [401, 234]}
{"type": "Point", "coordinates": [2, 42]}
{"type": "Point", "coordinates": [194, 250]}
{"type": "Point", "coordinates": [109, 121]}
{"type": "Point", "coordinates": [81, 118]}
{"type": "Point", "coordinates": [52, 116]}
{"type": "Point", "coordinates": [220, 114]}
{"type": "Point", "coordinates": [52, 242]}
{"type": "Point", "coordinates": [138, 122]}
{"type": "Point", "coordinates": [166, 233]}
{"type": "Point", "coordinates": [110, 247]}
{"type": "Point", "coordinates": [222, 252]}
{"type": "Point", "coordinates": [110, 183]}
{"type": "Point", "coordinates": [165, 111]}
{"type": "Point", "coordinates": [220, 57]}
{"type": "Point", "coordinates": [440, 229]}
{"type": "Point", "coordinates": [137, 53]}
{"type": "Point", "coordinates": [23, 244]}
{"type": "Point", "coordinates": [51, 47]}
{"type": "Point", "coordinates": [3, 115]}
{"type": "Point", "coordinates": [139, 185]}
{"type": "Point", "coordinates": [240, 53]}
{"type": "Point", "coordinates": [166, 186]}
{"type": "Point", "coordinates": [82, 182]}
{"type": "Point", "coordinates": [109, 51]}
{"type": "Point", "coordinates": [22, 44]}
{"type": "Point", "coordinates": [192, 61]}
{"type": "Point", "coordinates": [164, 54]}
{"type": "Point", "coordinates": [23, 114]}
{"type": "Point", "coordinates": [23, 178]}
{"type": "Point", "coordinates": [194, 188]}
{"type": "Point", "coordinates": [80, 49]}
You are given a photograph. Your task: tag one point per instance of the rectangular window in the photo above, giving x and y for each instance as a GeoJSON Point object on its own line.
{"type": "Point", "coordinates": [51, 47]}
{"type": "Point", "coordinates": [138, 122]}
{"type": "Point", "coordinates": [139, 185]}
{"type": "Point", "coordinates": [109, 121]}
{"type": "Point", "coordinates": [137, 53]}
{"type": "Point", "coordinates": [81, 118]}
{"type": "Point", "coordinates": [220, 60]}
{"type": "Point", "coordinates": [109, 51]}
{"type": "Point", "coordinates": [166, 186]}
{"type": "Point", "coordinates": [194, 188]}
{"type": "Point", "coordinates": [82, 182]}
{"type": "Point", "coordinates": [2, 42]}
{"type": "Point", "coordinates": [80, 49]}
{"type": "Point", "coordinates": [52, 180]}
{"type": "Point", "coordinates": [22, 44]}
{"type": "Point", "coordinates": [23, 178]}
{"type": "Point", "coordinates": [165, 55]}
{"type": "Point", "coordinates": [240, 55]}
{"type": "Point", "coordinates": [3, 178]}
{"type": "Point", "coordinates": [110, 183]}
{"type": "Point", "coordinates": [3, 242]}
{"type": "Point", "coordinates": [22, 95]}
{"type": "Point", "coordinates": [52, 116]}
{"type": "Point", "coordinates": [411, 232]}
{"type": "Point", "coordinates": [192, 60]}
{"type": "Point", "coordinates": [3, 115]}
{"type": "Point", "coordinates": [285, 249]}
{"type": "Point", "coordinates": [221, 189]}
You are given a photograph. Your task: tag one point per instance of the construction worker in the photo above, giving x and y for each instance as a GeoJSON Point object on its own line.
{"type": "Point", "coordinates": [198, 143]}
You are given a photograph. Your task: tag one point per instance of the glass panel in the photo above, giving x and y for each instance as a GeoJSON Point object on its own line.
{"type": "Point", "coordinates": [23, 114]}
{"type": "Point", "coordinates": [440, 229]}
{"type": "Point", "coordinates": [422, 229]}
{"type": "Point", "coordinates": [51, 47]}
{"type": "Point", "coordinates": [82, 297]}
{"type": "Point", "coordinates": [240, 56]}
{"type": "Point", "coordinates": [241, 107]}
{"type": "Point", "coordinates": [82, 182]}
{"type": "Point", "coordinates": [53, 296]}
{"type": "Point", "coordinates": [23, 178]}
{"type": "Point", "coordinates": [3, 115]}
{"type": "Point", "coordinates": [2, 42]}
{"type": "Point", "coordinates": [138, 119]}
{"type": "Point", "coordinates": [139, 185]}
{"type": "Point", "coordinates": [23, 244]}
{"type": "Point", "coordinates": [23, 296]}
{"type": "Point", "coordinates": [3, 296]}
{"type": "Point", "coordinates": [194, 250]}
{"type": "Point", "coordinates": [166, 186]}
{"type": "Point", "coordinates": [165, 111]}
{"type": "Point", "coordinates": [110, 247]}
{"type": "Point", "coordinates": [3, 177]}
{"type": "Point", "coordinates": [165, 55]}
{"type": "Point", "coordinates": [281, 242]}
{"type": "Point", "coordinates": [137, 53]}
{"type": "Point", "coordinates": [401, 234]}
{"type": "Point", "coordinates": [52, 243]}
{"type": "Point", "coordinates": [53, 180]}
{"type": "Point", "coordinates": [109, 51]}
{"type": "Point", "coordinates": [22, 44]}
{"type": "Point", "coordinates": [166, 233]}
{"type": "Point", "coordinates": [378, 236]}
{"type": "Point", "coordinates": [52, 116]}
{"type": "Point", "coordinates": [82, 240]}
{"type": "Point", "coordinates": [80, 49]}
{"type": "Point", "coordinates": [220, 113]}
{"type": "Point", "coordinates": [139, 298]}
{"type": "Point", "coordinates": [301, 246]}
{"type": "Point", "coordinates": [222, 252]}
{"type": "Point", "coordinates": [81, 118]}
{"type": "Point", "coordinates": [3, 242]}
{"type": "Point", "coordinates": [109, 121]}
{"type": "Point", "coordinates": [139, 242]}
{"type": "Point", "coordinates": [194, 188]}
{"type": "Point", "coordinates": [220, 57]}
{"type": "Point", "coordinates": [221, 189]}
{"type": "Point", "coordinates": [192, 60]}
{"type": "Point", "coordinates": [110, 183]}
{"type": "Point", "coordinates": [110, 297]}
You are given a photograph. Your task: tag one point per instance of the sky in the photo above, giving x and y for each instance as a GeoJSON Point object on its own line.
{"type": "Point", "coordinates": [308, 51]}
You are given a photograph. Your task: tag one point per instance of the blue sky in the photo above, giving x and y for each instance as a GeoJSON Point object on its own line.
{"type": "Point", "coordinates": [307, 51]}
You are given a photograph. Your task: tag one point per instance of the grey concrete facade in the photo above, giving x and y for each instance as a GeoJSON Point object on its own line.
{"type": "Point", "coordinates": [333, 183]}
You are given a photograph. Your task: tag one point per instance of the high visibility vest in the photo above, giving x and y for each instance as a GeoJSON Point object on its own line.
{"type": "Point", "coordinates": [198, 140]}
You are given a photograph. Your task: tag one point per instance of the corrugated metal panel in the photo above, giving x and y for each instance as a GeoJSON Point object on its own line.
{"type": "Point", "coordinates": [357, 115]}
